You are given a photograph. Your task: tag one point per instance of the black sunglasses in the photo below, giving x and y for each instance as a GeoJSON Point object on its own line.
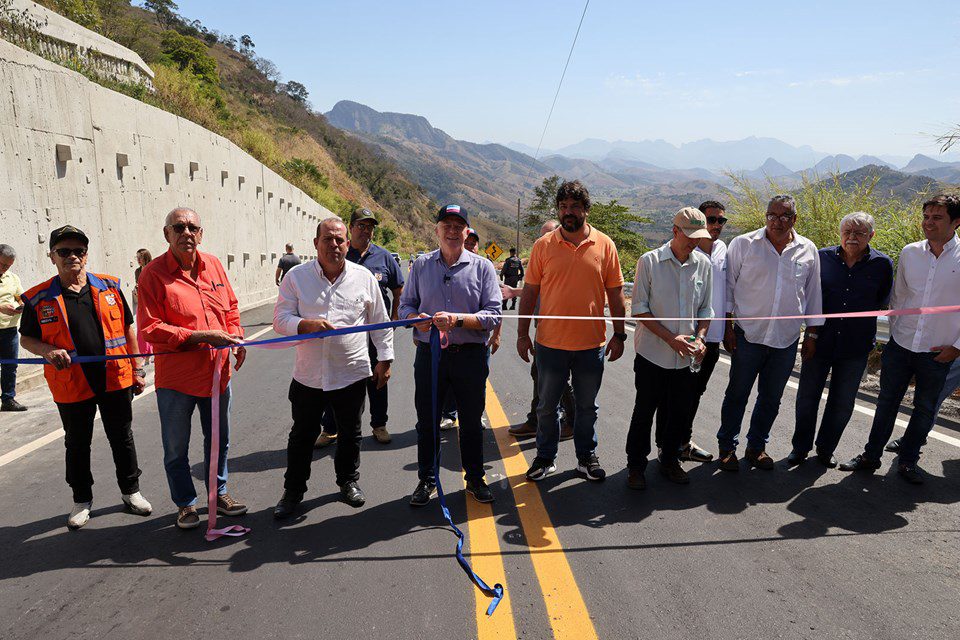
{"type": "Point", "coordinates": [76, 251]}
{"type": "Point", "coordinates": [180, 227]}
{"type": "Point", "coordinates": [715, 220]}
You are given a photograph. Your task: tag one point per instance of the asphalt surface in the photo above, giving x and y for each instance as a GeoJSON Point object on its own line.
{"type": "Point", "coordinates": [801, 553]}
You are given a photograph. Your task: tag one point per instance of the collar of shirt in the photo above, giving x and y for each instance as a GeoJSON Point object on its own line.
{"type": "Point", "coordinates": [323, 276]}
{"type": "Point", "coordinates": [665, 253]}
{"type": "Point", "coordinates": [947, 246]}
{"type": "Point", "coordinates": [464, 258]}
{"type": "Point", "coordinates": [354, 255]}
{"type": "Point", "coordinates": [868, 255]}
{"type": "Point", "coordinates": [173, 265]}
{"type": "Point", "coordinates": [557, 237]}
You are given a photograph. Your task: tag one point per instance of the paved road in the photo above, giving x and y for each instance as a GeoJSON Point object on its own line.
{"type": "Point", "coordinates": [805, 553]}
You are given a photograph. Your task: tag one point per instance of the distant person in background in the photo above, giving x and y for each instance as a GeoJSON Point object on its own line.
{"type": "Point", "coordinates": [854, 277]}
{"type": "Point", "coordinates": [921, 347]}
{"type": "Point", "coordinates": [472, 243]}
{"type": "Point", "coordinates": [287, 261]}
{"type": "Point", "coordinates": [11, 308]}
{"type": "Point", "coordinates": [512, 273]}
{"type": "Point", "coordinates": [143, 259]}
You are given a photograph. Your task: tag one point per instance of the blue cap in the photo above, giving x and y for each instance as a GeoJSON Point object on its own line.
{"type": "Point", "coordinates": [452, 210]}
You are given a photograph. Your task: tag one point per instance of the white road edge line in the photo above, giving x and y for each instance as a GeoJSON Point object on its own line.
{"type": "Point", "coordinates": [53, 436]}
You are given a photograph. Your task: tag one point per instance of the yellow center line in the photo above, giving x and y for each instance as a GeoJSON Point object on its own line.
{"type": "Point", "coordinates": [566, 609]}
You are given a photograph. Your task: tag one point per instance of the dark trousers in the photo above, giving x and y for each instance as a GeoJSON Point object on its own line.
{"type": "Point", "coordinates": [9, 348]}
{"type": "Point", "coordinates": [510, 282]}
{"type": "Point", "coordinates": [700, 380]}
{"type": "Point", "coordinates": [378, 400]}
{"type": "Point", "coordinates": [845, 375]}
{"type": "Point", "coordinates": [512, 302]}
{"type": "Point", "coordinates": [116, 413]}
{"type": "Point", "coordinates": [307, 405]}
{"type": "Point", "coordinates": [897, 367]}
{"type": "Point", "coordinates": [566, 401]}
{"type": "Point", "coordinates": [667, 393]}
{"type": "Point", "coordinates": [463, 371]}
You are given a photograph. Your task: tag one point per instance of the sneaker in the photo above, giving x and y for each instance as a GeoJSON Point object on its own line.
{"type": "Point", "coordinates": [524, 430]}
{"type": "Point", "coordinates": [540, 469]}
{"type": "Point", "coordinates": [325, 439]}
{"type": "Point", "coordinates": [479, 490]}
{"type": "Point", "coordinates": [635, 479]}
{"type": "Point", "coordinates": [12, 405]}
{"type": "Point", "coordinates": [137, 504]}
{"type": "Point", "coordinates": [79, 515]}
{"type": "Point", "coordinates": [590, 467]}
{"type": "Point", "coordinates": [673, 472]}
{"type": "Point", "coordinates": [422, 494]}
{"type": "Point", "coordinates": [893, 446]}
{"type": "Point", "coordinates": [566, 433]}
{"type": "Point", "coordinates": [448, 423]}
{"type": "Point", "coordinates": [759, 459]}
{"type": "Point", "coordinates": [910, 473]}
{"type": "Point", "coordinates": [729, 461]}
{"type": "Point", "coordinates": [227, 506]}
{"type": "Point", "coordinates": [860, 463]}
{"type": "Point", "coordinates": [187, 518]}
{"type": "Point", "coordinates": [382, 435]}
{"type": "Point", "coordinates": [693, 453]}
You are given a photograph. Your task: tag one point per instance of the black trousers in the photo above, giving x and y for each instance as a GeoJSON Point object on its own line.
{"type": "Point", "coordinates": [308, 405]}
{"type": "Point", "coordinates": [379, 399]}
{"type": "Point", "coordinates": [700, 380]}
{"type": "Point", "coordinates": [116, 413]}
{"type": "Point", "coordinates": [666, 392]}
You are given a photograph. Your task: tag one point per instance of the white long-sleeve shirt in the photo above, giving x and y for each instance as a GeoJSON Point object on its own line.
{"type": "Point", "coordinates": [718, 262]}
{"type": "Point", "coordinates": [924, 280]}
{"type": "Point", "coordinates": [764, 283]}
{"type": "Point", "coordinates": [352, 299]}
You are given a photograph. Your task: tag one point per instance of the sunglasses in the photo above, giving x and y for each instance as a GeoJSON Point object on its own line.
{"type": "Point", "coordinates": [772, 217]}
{"type": "Point", "coordinates": [65, 252]}
{"type": "Point", "coordinates": [716, 219]}
{"type": "Point", "coordinates": [180, 227]}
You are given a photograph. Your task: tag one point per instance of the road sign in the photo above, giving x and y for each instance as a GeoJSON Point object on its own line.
{"type": "Point", "coordinates": [493, 251]}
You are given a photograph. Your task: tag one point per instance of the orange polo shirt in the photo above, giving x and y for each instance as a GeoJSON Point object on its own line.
{"type": "Point", "coordinates": [172, 305]}
{"type": "Point", "coordinates": [573, 281]}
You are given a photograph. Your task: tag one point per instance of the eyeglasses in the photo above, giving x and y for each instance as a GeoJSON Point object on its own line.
{"type": "Point", "coordinates": [364, 226]}
{"type": "Point", "coordinates": [180, 227]}
{"type": "Point", "coordinates": [858, 234]}
{"type": "Point", "coordinates": [67, 252]}
{"type": "Point", "coordinates": [772, 217]}
{"type": "Point", "coordinates": [716, 219]}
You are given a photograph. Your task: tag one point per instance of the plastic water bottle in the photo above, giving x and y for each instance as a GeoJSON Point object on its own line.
{"type": "Point", "coordinates": [694, 363]}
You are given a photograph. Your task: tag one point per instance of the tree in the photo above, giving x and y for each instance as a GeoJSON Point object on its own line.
{"type": "Point", "coordinates": [296, 91]}
{"type": "Point", "coordinates": [86, 13]}
{"type": "Point", "coordinates": [620, 224]}
{"type": "Point", "coordinates": [190, 54]}
{"type": "Point", "coordinates": [165, 10]}
{"type": "Point", "coordinates": [544, 197]}
{"type": "Point", "coordinates": [267, 68]}
{"type": "Point", "coordinates": [247, 43]}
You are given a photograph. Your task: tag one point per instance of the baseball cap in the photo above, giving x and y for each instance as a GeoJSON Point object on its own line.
{"type": "Point", "coordinates": [452, 210]}
{"type": "Point", "coordinates": [65, 232]}
{"type": "Point", "coordinates": [692, 222]}
{"type": "Point", "coordinates": [473, 232]}
{"type": "Point", "coordinates": [363, 214]}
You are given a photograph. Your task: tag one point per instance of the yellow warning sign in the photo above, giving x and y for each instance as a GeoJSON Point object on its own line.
{"type": "Point", "coordinates": [493, 251]}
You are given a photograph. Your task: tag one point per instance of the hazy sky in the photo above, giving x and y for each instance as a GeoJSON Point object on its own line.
{"type": "Point", "coordinates": [842, 76]}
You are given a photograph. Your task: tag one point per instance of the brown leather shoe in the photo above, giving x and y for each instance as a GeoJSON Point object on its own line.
{"type": "Point", "coordinates": [187, 518]}
{"type": "Point", "coordinates": [728, 461]}
{"type": "Point", "coordinates": [382, 435]}
{"type": "Point", "coordinates": [524, 430]}
{"type": "Point", "coordinates": [673, 472]}
{"type": "Point", "coordinates": [635, 480]}
{"type": "Point", "coordinates": [759, 459]}
{"type": "Point", "coordinates": [227, 506]}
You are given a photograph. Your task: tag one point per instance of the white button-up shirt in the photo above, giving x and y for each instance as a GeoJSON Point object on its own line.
{"type": "Point", "coordinates": [352, 299]}
{"type": "Point", "coordinates": [718, 260]}
{"type": "Point", "coordinates": [764, 283]}
{"type": "Point", "coordinates": [924, 280]}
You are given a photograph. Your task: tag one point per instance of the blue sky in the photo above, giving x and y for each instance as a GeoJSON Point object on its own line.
{"type": "Point", "coordinates": [844, 76]}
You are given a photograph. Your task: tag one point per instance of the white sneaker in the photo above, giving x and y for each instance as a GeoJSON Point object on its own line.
{"type": "Point", "coordinates": [137, 504]}
{"type": "Point", "coordinates": [446, 424]}
{"type": "Point", "coordinates": [80, 515]}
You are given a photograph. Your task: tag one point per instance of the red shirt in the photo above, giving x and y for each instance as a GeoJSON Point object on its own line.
{"type": "Point", "coordinates": [172, 306]}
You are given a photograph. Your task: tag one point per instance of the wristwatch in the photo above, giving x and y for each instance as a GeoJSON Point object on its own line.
{"type": "Point", "coordinates": [622, 336]}
{"type": "Point", "coordinates": [459, 322]}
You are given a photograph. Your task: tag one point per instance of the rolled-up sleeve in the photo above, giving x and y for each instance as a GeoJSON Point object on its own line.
{"type": "Point", "coordinates": [705, 310]}
{"type": "Point", "coordinates": [410, 298]}
{"type": "Point", "coordinates": [376, 313]}
{"type": "Point", "coordinates": [150, 317]}
{"type": "Point", "coordinates": [286, 320]}
{"type": "Point", "coordinates": [641, 289]}
{"type": "Point", "coordinates": [491, 298]}
{"type": "Point", "coordinates": [814, 301]}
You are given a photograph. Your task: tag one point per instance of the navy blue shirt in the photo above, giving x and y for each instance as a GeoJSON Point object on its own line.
{"type": "Point", "coordinates": [865, 287]}
{"type": "Point", "coordinates": [383, 266]}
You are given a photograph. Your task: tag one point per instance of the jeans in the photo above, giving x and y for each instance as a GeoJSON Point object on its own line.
{"type": "Point", "coordinates": [554, 368]}
{"type": "Point", "coordinates": [567, 404]}
{"type": "Point", "coordinates": [770, 368]}
{"type": "Point", "coordinates": [9, 348]}
{"type": "Point", "coordinates": [346, 405]}
{"type": "Point", "coordinates": [176, 414]}
{"type": "Point", "coordinates": [463, 371]}
{"type": "Point", "coordinates": [845, 375]}
{"type": "Point", "coordinates": [698, 388]}
{"type": "Point", "coordinates": [951, 384]}
{"type": "Point", "coordinates": [665, 392]}
{"type": "Point", "coordinates": [116, 413]}
{"type": "Point", "coordinates": [379, 400]}
{"type": "Point", "coordinates": [897, 367]}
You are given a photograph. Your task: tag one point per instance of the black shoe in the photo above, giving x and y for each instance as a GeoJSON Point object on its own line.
{"type": "Point", "coordinates": [893, 446]}
{"type": "Point", "coordinates": [728, 461]}
{"type": "Point", "coordinates": [796, 458]}
{"type": "Point", "coordinates": [673, 472]}
{"type": "Point", "coordinates": [423, 493]}
{"type": "Point", "coordinates": [287, 505]}
{"type": "Point", "coordinates": [590, 467]}
{"type": "Point", "coordinates": [911, 474]}
{"type": "Point", "coordinates": [860, 463]}
{"type": "Point", "coordinates": [827, 460]}
{"type": "Point", "coordinates": [12, 405]}
{"type": "Point", "coordinates": [352, 495]}
{"type": "Point", "coordinates": [540, 469]}
{"type": "Point", "coordinates": [636, 480]}
{"type": "Point", "coordinates": [479, 490]}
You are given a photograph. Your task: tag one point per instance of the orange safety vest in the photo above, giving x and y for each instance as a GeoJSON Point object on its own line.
{"type": "Point", "coordinates": [70, 385]}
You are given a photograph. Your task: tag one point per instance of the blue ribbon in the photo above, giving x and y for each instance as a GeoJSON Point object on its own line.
{"type": "Point", "coordinates": [496, 593]}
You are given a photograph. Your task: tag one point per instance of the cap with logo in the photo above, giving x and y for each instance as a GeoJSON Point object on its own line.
{"type": "Point", "coordinates": [363, 214]}
{"type": "Point", "coordinates": [692, 222]}
{"type": "Point", "coordinates": [452, 210]}
{"type": "Point", "coordinates": [68, 232]}
{"type": "Point", "coordinates": [473, 232]}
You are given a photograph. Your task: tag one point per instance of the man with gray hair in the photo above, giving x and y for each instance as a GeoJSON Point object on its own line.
{"type": "Point", "coordinates": [853, 277]}
{"type": "Point", "coordinates": [10, 309]}
{"type": "Point", "coordinates": [771, 272]}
